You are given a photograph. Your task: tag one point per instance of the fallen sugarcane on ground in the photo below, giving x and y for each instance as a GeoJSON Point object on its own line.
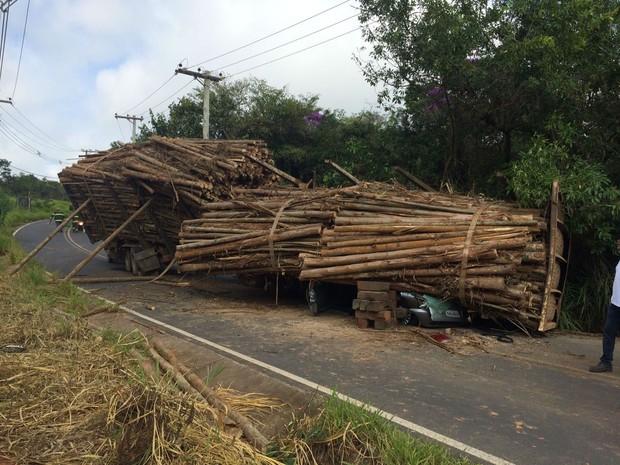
{"type": "Point", "coordinates": [70, 395]}
{"type": "Point", "coordinates": [73, 397]}
{"type": "Point", "coordinates": [492, 256]}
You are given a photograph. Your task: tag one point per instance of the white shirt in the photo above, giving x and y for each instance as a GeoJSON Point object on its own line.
{"type": "Point", "coordinates": [615, 292]}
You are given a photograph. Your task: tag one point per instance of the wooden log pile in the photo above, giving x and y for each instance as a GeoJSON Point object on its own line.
{"type": "Point", "coordinates": [259, 231]}
{"type": "Point", "coordinates": [375, 305]}
{"type": "Point", "coordinates": [490, 255]}
{"type": "Point", "coordinates": [182, 175]}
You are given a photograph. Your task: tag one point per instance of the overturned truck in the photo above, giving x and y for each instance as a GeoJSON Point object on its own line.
{"type": "Point", "coordinates": [218, 207]}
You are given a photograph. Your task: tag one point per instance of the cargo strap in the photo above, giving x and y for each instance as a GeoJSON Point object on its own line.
{"type": "Point", "coordinates": [276, 220]}
{"type": "Point", "coordinates": [465, 257]}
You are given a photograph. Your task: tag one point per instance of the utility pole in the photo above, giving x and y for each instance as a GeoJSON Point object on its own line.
{"type": "Point", "coordinates": [8, 100]}
{"type": "Point", "coordinates": [5, 5]}
{"type": "Point", "coordinates": [133, 120]}
{"type": "Point", "coordinates": [206, 78]}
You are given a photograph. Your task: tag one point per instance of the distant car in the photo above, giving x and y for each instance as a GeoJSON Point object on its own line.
{"type": "Point", "coordinates": [427, 311]}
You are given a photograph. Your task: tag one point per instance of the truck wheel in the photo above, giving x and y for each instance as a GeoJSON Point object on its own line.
{"type": "Point", "coordinates": [127, 257]}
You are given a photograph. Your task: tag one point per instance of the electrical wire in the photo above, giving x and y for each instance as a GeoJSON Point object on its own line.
{"type": "Point", "coordinates": [25, 146]}
{"type": "Point", "coordinates": [167, 98]}
{"type": "Point", "coordinates": [45, 178]}
{"type": "Point", "coordinates": [237, 49]}
{"type": "Point", "coordinates": [295, 53]}
{"type": "Point", "coordinates": [121, 130]}
{"type": "Point", "coordinates": [21, 51]}
{"type": "Point", "coordinates": [269, 35]}
{"type": "Point", "coordinates": [59, 144]}
{"type": "Point", "coordinates": [288, 43]}
{"type": "Point", "coordinates": [39, 140]}
{"type": "Point", "coordinates": [153, 93]}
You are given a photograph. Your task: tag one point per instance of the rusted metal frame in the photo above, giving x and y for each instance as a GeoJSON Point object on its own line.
{"type": "Point", "coordinates": [143, 243]}
{"type": "Point", "coordinates": [109, 239]}
{"type": "Point", "coordinates": [28, 257]}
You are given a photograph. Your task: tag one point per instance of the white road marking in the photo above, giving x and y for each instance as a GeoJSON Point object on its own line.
{"type": "Point", "coordinates": [67, 234]}
{"type": "Point", "coordinates": [477, 453]}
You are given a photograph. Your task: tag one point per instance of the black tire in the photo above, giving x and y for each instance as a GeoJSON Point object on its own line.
{"type": "Point", "coordinates": [127, 257]}
{"type": "Point", "coordinates": [410, 319]}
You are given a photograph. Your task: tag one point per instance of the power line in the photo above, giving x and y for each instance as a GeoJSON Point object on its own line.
{"type": "Point", "coordinates": [269, 35]}
{"type": "Point", "coordinates": [295, 53]}
{"type": "Point", "coordinates": [39, 139]}
{"type": "Point", "coordinates": [6, 130]}
{"type": "Point", "coordinates": [290, 42]}
{"type": "Point", "coordinates": [13, 167]}
{"type": "Point", "coordinates": [21, 51]}
{"type": "Point", "coordinates": [235, 50]}
{"type": "Point", "coordinates": [153, 93]}
{"type": "Point", "coordinates": [65, 147]}
{"type": "Point", "coordinates": [167, 98]}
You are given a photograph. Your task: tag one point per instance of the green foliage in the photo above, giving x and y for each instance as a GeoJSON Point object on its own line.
{"type": "Point", "coordinates": [590, 199]}
{"type": "Point", "coordinates": [485, 77]}
{"type": "Point", "coordinates": [6, 205]}
{"type": "Point", "coordinates": [587, 295]}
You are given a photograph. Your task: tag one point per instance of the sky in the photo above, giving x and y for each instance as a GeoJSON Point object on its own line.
{"type": "Point", "coordinates": [70, 66]}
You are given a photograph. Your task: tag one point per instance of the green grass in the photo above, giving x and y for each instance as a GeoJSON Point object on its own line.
{"type": "Point", "coordinates": [40, 210]}
{"type": "Point", "coordinates": [344, 433]}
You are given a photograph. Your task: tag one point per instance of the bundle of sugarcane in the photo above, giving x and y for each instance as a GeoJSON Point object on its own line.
{"type": "Point", "coordinates": [259, 231]}
{"type": "Point", "coordinates": [485, 253]}
{"type": "Point", "coordinates": [182, 175]}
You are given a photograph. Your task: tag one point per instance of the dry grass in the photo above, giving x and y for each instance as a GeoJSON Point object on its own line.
{"type": "Point", "coordinates": [72, 397]}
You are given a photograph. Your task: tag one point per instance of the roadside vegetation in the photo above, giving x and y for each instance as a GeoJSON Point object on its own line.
{"type": "Point", "coordinates": [70, 393]}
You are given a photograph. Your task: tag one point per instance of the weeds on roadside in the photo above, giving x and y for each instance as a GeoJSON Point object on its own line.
{"type": "Point", "coordinates": [586, 298]}
{"type": "Point", "coordinates": [345, 433]}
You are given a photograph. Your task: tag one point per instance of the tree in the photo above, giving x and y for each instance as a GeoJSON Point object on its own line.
{"type": "Point", "coordinates": [486, 77]}
{"type": "Point", "coordinates": [185, 119]}
{"type": "Point", "coordinates": [528, 88]}
{"type": "Point", "coordinates": [5, 170]}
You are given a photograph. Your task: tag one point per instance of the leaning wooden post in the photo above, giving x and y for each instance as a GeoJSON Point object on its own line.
{"type": "Point", "coordinates": [342, 171]}
{"type": "Point", "coordinates": [109, 239]}
{"type": "Point", "coordinates": [415, 180]}
{"type": "Point", "coordinates": [27, 258]}
{"type": "Point", "coordinates": [299, 183]}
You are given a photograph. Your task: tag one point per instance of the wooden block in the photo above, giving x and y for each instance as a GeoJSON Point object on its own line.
{"type": "Point", "coordinates": [383, 315]}
{"type": "Point", "coordinates": [385, 296]}
{"type": "Point", "coordinates": [373, 286]}
{"type": "Point", "coordinates": [369, 305]}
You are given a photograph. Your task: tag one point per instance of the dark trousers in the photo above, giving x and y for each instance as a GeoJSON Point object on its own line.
{"type": "Point", "coordinates": [612, 325]}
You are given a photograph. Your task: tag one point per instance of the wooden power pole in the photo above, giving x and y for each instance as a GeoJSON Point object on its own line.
{"type": "Point", "coordinates": [133, 120]}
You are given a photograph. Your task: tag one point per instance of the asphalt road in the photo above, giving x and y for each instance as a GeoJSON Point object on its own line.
{"type": "Point", "coordinates": [529, 403]}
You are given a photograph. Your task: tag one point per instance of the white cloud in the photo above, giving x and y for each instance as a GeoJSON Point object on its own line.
{"type": "Point", "coordinates": [85, 60]}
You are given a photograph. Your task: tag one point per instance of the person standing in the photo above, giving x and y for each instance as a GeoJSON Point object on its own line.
{"type": "Point", "coordinates": [612, 325]}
